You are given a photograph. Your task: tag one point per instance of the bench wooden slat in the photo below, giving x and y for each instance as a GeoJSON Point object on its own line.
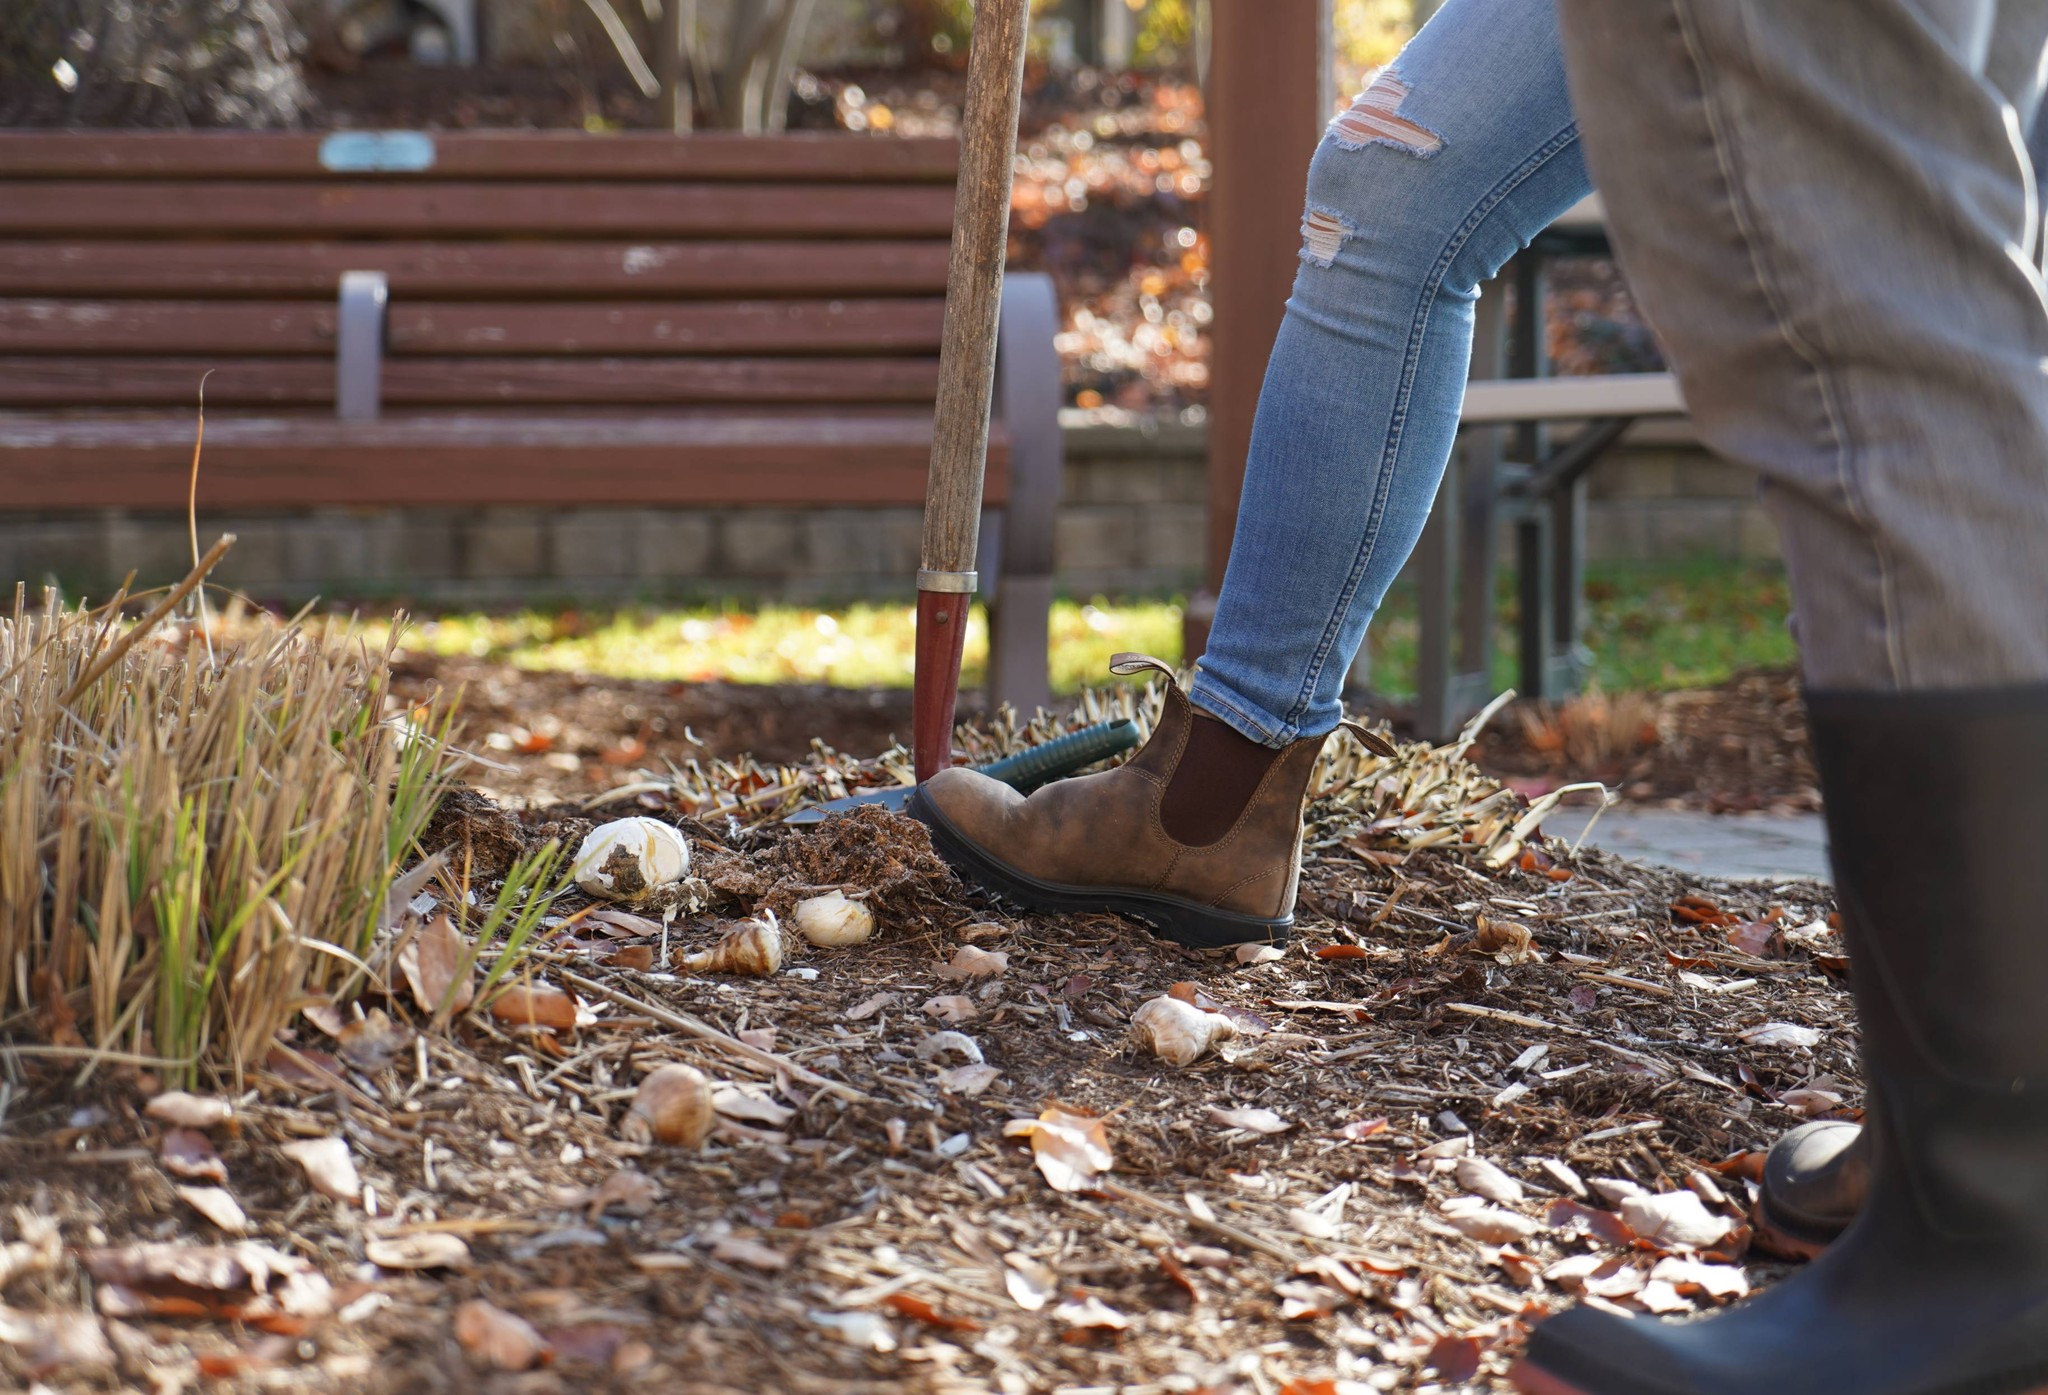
{"type": "Point", "coordinates": [448, 209]}
{"type": "Point", "coordinates": [53, 461]}
{"type": "Point", "coordinates": [176, 270]}
{"type": "Point", "coordinates": [251, 382]}
{"type": "Point", "coordinates": [682, 328]}
{"type": "Point", "coordinates": [486, 155]}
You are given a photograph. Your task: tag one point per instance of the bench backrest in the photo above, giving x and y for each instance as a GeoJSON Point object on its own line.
{"type": "Point", "coordinates": [530, 271]}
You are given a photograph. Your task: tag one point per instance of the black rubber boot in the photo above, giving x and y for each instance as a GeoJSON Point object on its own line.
{"type": "Point", "coordinates": [1937, 807]}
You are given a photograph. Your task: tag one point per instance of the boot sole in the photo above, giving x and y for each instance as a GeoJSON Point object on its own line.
{"type": "Point", "coordinates": [1184, 922]}
{"type": "Point", "coordinates": [1783, 1239]}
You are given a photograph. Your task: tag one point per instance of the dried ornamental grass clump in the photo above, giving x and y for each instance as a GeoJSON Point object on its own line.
{"type": "Point", "coordinates": [198, 829]}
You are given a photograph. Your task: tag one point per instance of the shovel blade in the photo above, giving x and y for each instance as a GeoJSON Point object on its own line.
{"type": "Point", "coordinates": [893, 799]}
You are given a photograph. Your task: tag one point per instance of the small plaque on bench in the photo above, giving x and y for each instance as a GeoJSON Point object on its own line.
{"type": "Point", "coordinates": [377, 152]}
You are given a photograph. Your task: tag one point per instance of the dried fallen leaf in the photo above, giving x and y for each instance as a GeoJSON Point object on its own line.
{"type": "Point", "coordinates": [1674, 1220]}
{"type": "Point", "coordinates": [373, 1043]}
{"type": "Point", "coordinates": [1781, 1034]}
{"type": "Point", "coordinates": [1810, 1102]}
{"type": "Point", "coordinates": [1070, 1148]}
{"type": "Point", "coordinates": [240, 1281]}
{"type": "Point", "coordinates": [188, 1153]}
{"type": "Point", "coordinates": [497, 1338]}
{"type": "Point", "coordinates": [972, 962]}
{"type": "Point", "coordinates": [1715, 1280]}
{"type": "Point", "coordinates": [328, 1166]}
{"type": "Point", "coordinates": [189, 1111]}
{"type": "Point", "coordinates": [673, 1105]}
{"type": "Point", "coordinates": [1031, 1282]}
{"type": "Point", "coordinates": [427, 1249]}
{"type": "Point", "coordinates": [217, 1206]}
{"type": "Point", "coordinates": [1259, 954]}
{"type": "Point", "coordinates": [1492, 1226]}
{"type": "Point", "coordinates": [735, 1250]}
{"type": "Point", "coordinates": [537, 1005]}
{"type": "Point", "coordinates": [1251, 1120]}
{"type": "Point", "coordinates": [432, 962]}
{"type": "Point", "coordinates": [968, 1080]}
{"type": "Point", "coordinates": [639, 958]}
{"type": "Point", "coordinates": [628, 1191]}
{"type": "Point", "coordinates": [953, 1007]}
{"type": "Point", "coordinates": [911, 1306]}
{"type": "Point", "coordinates": [1567, 1215]}
{"type": "Point", "coordinates": [1482, 1178]}
{"type": "Point", "coordinates": [750, 1102]}
{"type": "Point", "coordinates": [1358, 1130]}
{"type": "Point", "coordinates": [49, 1343]}
{"type": "Point", "coordinates": [938, 1043]}
{"type": "Point", "coordinates": [1454, 1359]}
{"type": "Point", "coordinates": [861, 1012]}
{"type": "Point", "coordinates": [1760, 939]}
{"type": "Point", "coordinates": [863, 1331]}
{"type": "Point", "coordinates": [1086, 1312]}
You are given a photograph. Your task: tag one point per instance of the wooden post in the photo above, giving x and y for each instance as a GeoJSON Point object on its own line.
{"type": "Point", "coordinates": [1269, 85]}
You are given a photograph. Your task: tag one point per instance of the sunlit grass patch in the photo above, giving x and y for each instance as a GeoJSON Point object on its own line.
{"type": "Point", "coordinates": [1648, 627]}
{"type": "Point", "coordinates": [852, 646]}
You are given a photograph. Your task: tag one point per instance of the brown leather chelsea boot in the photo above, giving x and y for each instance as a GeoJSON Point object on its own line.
{"type": "Point", "coordinates": [1198, 834]}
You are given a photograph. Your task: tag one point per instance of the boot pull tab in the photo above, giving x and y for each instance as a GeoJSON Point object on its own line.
{"type": "Point", "coordinates": [1371, 740]}
{"type": "Point", "coordinates": [1126, 665]}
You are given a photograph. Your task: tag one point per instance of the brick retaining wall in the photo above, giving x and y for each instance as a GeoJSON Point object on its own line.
{"type": "Point", "coordinates": [1131, 522]}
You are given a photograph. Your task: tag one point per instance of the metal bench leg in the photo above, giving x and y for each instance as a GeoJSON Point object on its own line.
{"type": "Point", "coordinates": [1436, 562]}
{"type": "Point", "coordinates": [359, 346]}
{"type": "Point", "coordinates": [1028, 397]}
{"type": "Point", "coordinates": [1536, 584]}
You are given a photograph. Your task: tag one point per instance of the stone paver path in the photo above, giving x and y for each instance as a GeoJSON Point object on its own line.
{"type": "Point", "coordinates": [1771, 847]}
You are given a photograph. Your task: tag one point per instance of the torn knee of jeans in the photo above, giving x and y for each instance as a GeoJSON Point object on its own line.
{"type": "Point", "coordinates": [1323, 233]}
{"type": "Point", "coordinates": [1375, 119]}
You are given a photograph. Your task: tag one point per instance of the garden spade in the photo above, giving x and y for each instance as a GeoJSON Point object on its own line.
{"type": "Point", "coordinates": [946, 578]}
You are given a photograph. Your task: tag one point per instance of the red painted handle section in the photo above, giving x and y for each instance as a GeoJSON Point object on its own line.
{"type": "Point", "coordinates": [941, 636]}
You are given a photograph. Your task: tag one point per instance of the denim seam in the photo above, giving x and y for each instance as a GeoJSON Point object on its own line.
{"type": "Point", "coordinates": [1748, 229]}
{"type": "Point", "coordinates": [1432, 287]}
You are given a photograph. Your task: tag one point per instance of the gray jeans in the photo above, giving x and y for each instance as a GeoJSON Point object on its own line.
{"type": "Point", "coordinates": [1827, 210]}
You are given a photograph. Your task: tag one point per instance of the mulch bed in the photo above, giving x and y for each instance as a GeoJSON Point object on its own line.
{"type": "Point", "coordinates": [1735, 748]}
{"type": "Point", "coordinates": [1310, 1205]}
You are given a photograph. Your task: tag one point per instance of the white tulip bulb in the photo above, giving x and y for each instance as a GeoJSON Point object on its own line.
{"type": "Point", "coordinates": [631, 859]}
{"type": "Point", "coordinates": [832, 921]}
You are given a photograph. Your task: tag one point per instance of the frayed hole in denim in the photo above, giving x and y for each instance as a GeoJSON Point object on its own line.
{"type": "Point", "coordinates": [1323, 231]}
{"type": "Point", "coordinates": [1375, 119]}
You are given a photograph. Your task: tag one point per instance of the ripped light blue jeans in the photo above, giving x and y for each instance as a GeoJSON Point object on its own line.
{"type": "Point", "coordinates": [1451, 161]}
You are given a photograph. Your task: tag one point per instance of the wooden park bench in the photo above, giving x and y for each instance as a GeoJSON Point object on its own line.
{"type": "Point", "coordinates": [545, 319]}
{"type": "Point", "coordinates": [1525, 483]}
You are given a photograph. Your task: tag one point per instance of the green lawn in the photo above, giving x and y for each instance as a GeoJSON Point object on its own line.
{"type": "Point", "coordinates": [1650, 627]}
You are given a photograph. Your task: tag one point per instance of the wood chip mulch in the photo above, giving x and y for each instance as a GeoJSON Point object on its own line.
{"type": "Point", "coordinates": [1461, 1097]}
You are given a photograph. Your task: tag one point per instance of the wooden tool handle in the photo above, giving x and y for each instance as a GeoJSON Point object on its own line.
{"type": "Point", "coordinates": [967, 372]}
{"type": "Point", "coordinates": [974, 285]}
